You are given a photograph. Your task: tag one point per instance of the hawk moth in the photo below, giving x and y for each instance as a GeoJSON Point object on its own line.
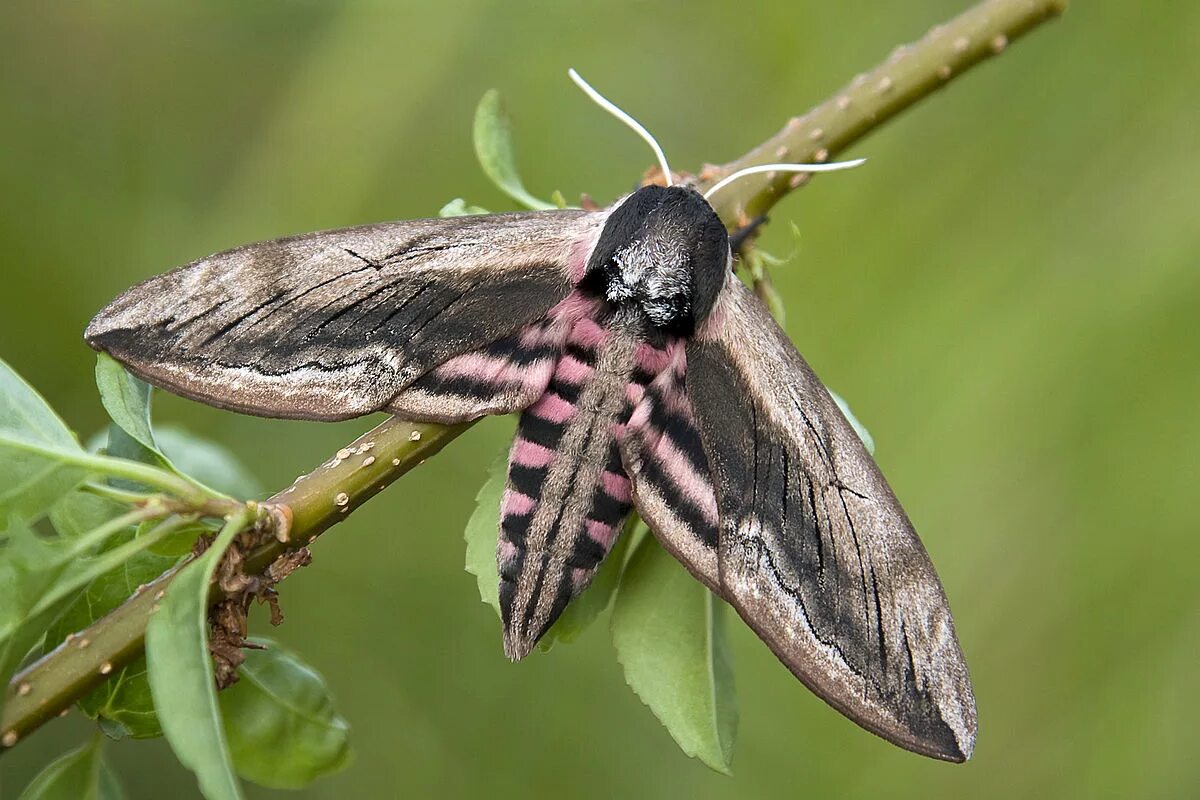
{"type": "Point", "coordinates": [646, 376]}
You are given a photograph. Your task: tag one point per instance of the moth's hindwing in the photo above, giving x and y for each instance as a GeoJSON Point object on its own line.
{"type": "Point", "coordinates": [814, 550]}
{"type": "Point", "coordinates": [334, 325]}
{"type": "Point", "coordinates": [671, 478]}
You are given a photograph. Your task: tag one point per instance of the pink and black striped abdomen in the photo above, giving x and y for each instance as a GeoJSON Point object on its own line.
{"type": "Point", "coordinates": [567, 493]}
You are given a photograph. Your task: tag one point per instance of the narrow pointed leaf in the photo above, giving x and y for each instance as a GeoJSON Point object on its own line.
{"type": "Point", "coordinates": [494, 148]}
{"type": "Point", "coordinates": [127, 401]}
{"type": "Point", "coordinates": [863, 434]}
{"type": "Point", "coordinates": [667, 629]}
{"type": "Point", "coordinates": [31, 479]}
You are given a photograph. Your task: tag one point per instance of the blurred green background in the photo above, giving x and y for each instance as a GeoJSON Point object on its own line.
{"type": "Point", "coordinates": [1008, 295]}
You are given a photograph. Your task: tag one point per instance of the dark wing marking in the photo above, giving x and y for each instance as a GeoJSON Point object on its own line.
{"type": "Point", "coordinates": [334, 325]}
{"type": "Point", "coordinates": [815, 552]}
{"type": "Point", "coordinates": [506, 376]}
{"type": "Point", "coordinates": [669, 472]}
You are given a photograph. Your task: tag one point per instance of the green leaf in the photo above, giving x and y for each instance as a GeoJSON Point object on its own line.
{"type": "Point", "coordinates": [558, 199]}
{"type": "Point", "coordinates": [481, 532]}
{"type": "Point", "coordinates": [459, 208]}
{"type": "Point", "coordinates": [127, 401]}
{"type": "Point", "coordinates": [32, 478]}
{"type": "Point", "coordinates": [209, 463]}
{"type": "Point", "coordinates": [110, 787]}
{"type": "Point", "coordinates": [122, 703]}
{"type": "Point", "coordinates": [79, 512]}
{"type": "Point", "coordinates": [38, 576]}
{"type": "Point", "coordinates": [282, 728]}
{"type": "Point", "coordinates": [80, 774]}
{"type": "Point", "coordinates": [181, 672]}
{"type": "Point", "coordinates": [494, 149]}
{"type": "Point", "coordinates": [863, 434]}
{"type": "Point", "coordinates": [667, 629]}
{"type": "Point", "coordinates": [482, 529]}
{"type": "Point", "coordinates": [30, 566]}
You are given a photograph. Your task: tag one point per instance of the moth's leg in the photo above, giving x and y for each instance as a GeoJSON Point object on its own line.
{"type": "Point", "coordinates": [739, 238]}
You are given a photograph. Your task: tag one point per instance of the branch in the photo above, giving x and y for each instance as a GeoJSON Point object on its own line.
{"type": "Point", "coordinates": [321, 499]}
{"type": "Point", "coordinates": [310, 506]}
{"type": "Point", "coordinates": [911, 73]}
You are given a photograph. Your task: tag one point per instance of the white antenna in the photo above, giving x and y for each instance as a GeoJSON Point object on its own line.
{"type": "Point", "coordinates": [611, 108]}
{"type": "Point", "coordinates": [741, 173]}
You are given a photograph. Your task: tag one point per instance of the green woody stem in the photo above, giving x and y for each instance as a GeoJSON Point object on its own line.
{"type": "Point", "coordinates": [910, 73]}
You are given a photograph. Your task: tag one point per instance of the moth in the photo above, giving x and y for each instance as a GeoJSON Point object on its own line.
{"type": "Point", "coordinates": [646, 376]}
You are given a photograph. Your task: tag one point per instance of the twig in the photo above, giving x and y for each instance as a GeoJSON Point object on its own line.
{"type": "Point", "coordinates": [313, 504]}
{"type": "Point", "coordinates": [910, 73]}
{"type": "Point", "coordinates": [317, 501]}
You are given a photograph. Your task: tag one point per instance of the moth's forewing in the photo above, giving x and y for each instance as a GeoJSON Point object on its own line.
{"type": "Point", "coordinates": [814, 550]}
{"type": "Point", "coordinates": [336, 324]}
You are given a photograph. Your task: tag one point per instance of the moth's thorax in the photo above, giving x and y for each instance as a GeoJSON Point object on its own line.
{"type": "Point", "coordinates": [664, 253]}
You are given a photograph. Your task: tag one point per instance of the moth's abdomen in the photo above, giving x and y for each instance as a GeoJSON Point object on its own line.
{"type": "Point", "coordinates": [567, 493]}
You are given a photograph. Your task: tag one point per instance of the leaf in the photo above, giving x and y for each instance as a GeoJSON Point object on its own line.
{"type": "Point", "coordinates": [122, 703]}
{"type": "Point", "coordinates": [282, 728]}
{"type": "Point", "coordinates": [863, 434]}
{"type": "Point", "coordinates": [48, 573]}
{"type": "Point", "coordinates": [80, 511]}
{"type": "Point", "coordinates": [30, 566]}
{"type": "Point", "coordinates": [208, 462]}
{"type": "Point", "coordinates": [127, 401]}
{"type": "Point", "coordinates": [80, 774]}
{"type": "Point", "coordinates": [482, 529]}
{"type": "Point", "coordinates": [667, 629]}
{"type": "Point", "coordinates": [32, 478]}
{"type": "Point", "coordinates": [110, 787]}
{"type": "Point", "coordinates": [181, 672]}
{"type": "Point", "coordinates": [494, 149]}
{"type": "Point", "coordinates": [40, 578]}
{"type": "Point", "coordinates": [459, 208]}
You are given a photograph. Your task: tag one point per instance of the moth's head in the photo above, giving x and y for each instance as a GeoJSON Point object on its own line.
{"type": "Point", "coordinates": [663, 251]}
